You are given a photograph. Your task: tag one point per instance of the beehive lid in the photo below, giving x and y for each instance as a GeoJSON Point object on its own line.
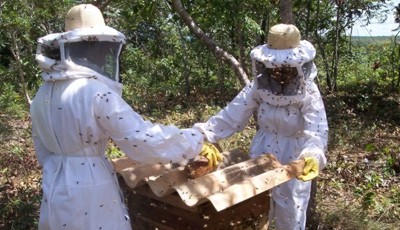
{"type": "Point", "coordinates": [237, 179]}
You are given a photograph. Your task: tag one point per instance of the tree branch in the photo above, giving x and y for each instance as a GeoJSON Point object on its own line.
{"type": "Point", "coordinates": [21, 73]}
{"type": "Point", "coordinates": [209, 43]}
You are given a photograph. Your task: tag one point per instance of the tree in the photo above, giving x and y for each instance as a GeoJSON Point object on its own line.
{"type": "Point", "coordinates": [327, 21]}
{"type": "Point", "coordinates": [286, 11]}
{"type": "Point", "coordinates": [20, 26]}
{"type": "Point", "coordinates": [209, 43]}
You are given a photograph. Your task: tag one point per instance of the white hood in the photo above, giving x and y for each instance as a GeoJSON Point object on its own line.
{"type": "Point", "coordinates": [51, 59]}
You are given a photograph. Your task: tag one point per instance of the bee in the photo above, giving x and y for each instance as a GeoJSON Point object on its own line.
{"type": "Point", "coordinates": [90, 39]}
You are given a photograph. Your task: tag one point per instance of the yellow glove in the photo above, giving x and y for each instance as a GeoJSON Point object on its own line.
{"type": "Point", "coordinates": [210, 152]}
{"type": "Point", "coordinates": [311, 169]}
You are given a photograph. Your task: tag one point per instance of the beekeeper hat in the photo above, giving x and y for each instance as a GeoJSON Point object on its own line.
{"type": "Point", "coordinates": [87, 43]}
{"type": "Point", "coordinates": [284, 48]}
{"type": "Point", "coordinates": [283, 36]}
{"type": "Point", "coordinates": [83, 16]}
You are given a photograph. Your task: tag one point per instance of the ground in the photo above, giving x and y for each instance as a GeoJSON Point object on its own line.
{"type": "Point", "coordinates": [359, 189]}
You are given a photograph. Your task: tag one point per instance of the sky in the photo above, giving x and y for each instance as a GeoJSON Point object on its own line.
{"type": "Point", "coordinates": [378, 29]}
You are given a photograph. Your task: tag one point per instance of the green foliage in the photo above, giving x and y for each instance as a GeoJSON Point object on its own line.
{"type": "Point", "coordinates": [371, 64]}
{"type": "Point", "coordinates": [170, 78]}
{"type": "Point", "coordinates": [21, 23]}
{"type": "Point", "coordinates": [364, 154]}
{"type": "Point", "coordinates": [20, 210]}
{"type": "Point", "coordinates": [11, 101]}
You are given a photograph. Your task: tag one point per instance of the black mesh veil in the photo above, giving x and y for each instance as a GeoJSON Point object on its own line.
{"type": "Point", "coordinates": [100, 56]}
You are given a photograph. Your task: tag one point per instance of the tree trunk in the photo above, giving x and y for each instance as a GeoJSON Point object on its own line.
{"type": "Point", "coordinates": [264, 29]}
{"type": "Point", "coordinates": [21, 73]}
{"type": "Point", "coordinates": [322, 51]}
{"type": "Point", "coordinates": [209, 43]}
{"type": "Point", "coordinates": [186, 73]}
{"type": "Point", "coordinates": [102, 4]}
{"type": "Point", "coordinates": [309, 9]}
{"type": "Point", "coordinates": [286, 11]}
{"type": "Point", "coordinates": [335, 61]}
{"type": "Point", "coordinates": [242, 48]}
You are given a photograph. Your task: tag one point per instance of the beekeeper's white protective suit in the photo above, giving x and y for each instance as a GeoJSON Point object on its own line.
{"type": "Point", "coordinates": [291, 120]}
{"type": "Point", "coordinates": [75, 112]}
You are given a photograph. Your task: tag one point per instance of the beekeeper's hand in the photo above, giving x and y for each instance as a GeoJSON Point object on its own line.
{"type": "Point", "coordinates": [210, 152]}
{"type": "Point", "coordinates": [311, 169]}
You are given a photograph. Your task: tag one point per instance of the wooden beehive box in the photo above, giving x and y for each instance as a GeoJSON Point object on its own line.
{"type": "Point", "coordinates": [236, 196]}
{"type": "Point", "coordinates": [148, 211]}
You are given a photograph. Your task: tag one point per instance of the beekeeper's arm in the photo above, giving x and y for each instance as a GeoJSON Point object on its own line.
{"type": "Point", "coordinates": [141, 140]}
{"type": "Point", "coordinates": [233, 118]}
{"type": "Point", "coordinates": [316, 131]}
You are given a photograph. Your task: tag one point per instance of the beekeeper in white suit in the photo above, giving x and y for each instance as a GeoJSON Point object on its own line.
{"type": "Point", "coordinates": [291, 118]}
{"type": "Point", "coordinates": [75, 113]}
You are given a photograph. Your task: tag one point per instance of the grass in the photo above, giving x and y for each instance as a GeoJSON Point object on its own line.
{"type": "Point", "coordinates": [359, 189]}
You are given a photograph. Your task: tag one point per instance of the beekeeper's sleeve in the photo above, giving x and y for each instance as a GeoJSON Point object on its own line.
{"type": "Point", "coordinates": [142, 140]}
{"type": "Point", "coordinates": [315, 126]}
{"type": "Point", "coordinates": [233, 118]}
